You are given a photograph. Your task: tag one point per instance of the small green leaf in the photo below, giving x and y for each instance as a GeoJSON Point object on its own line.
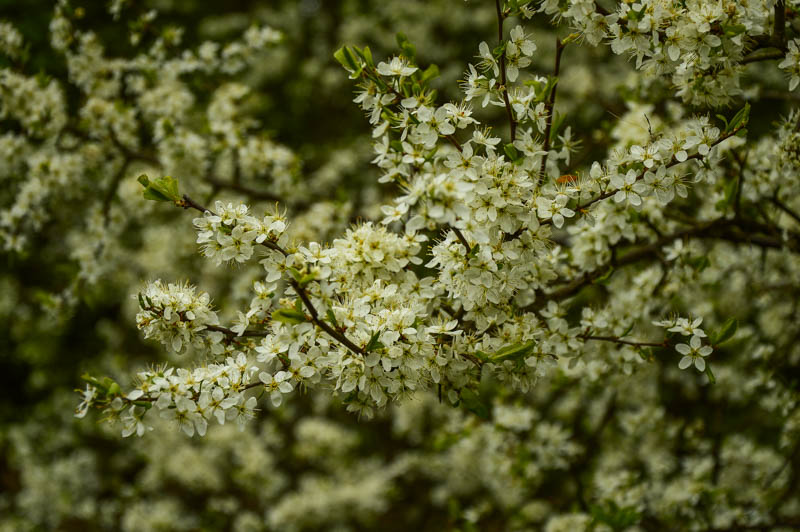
{"type": "Point", "coordinates": [627, 331]}
{"type": "Point", "coordinates": [710, 374]}
{"type": "Point", "coordinates": [726, 332]}
{"type": "Point", "coordinates": [374, 343]}
{"type": "Point", "coordinates": [740, 119]}
{"type": "Point", "coordinates": [295, 273]}
{"type": "Point", "coordinates": [289, 315]}
{"type": "Point", "coordinates": [93, 381]}
{"type": "Point", "coordinates": [603, 279]}
{"type": "Point", "coordinates": [473, 402]}
{"type": "Point", "coordinates": [162, 189]}
{"type": "Point", "coordinates": [732, 30]}
{"type": "Point", "coordinates": [700, 263]}
{"type": "Point", "coordinates": [304, 280]}
{"type": "Point", "coordinates": [409, 50]}
{"type": "Point", "coordinates": [511, 152]}
{"type": "Point", "coordinates": [513, 351]}
{"type": "Point", "coordinates": [113, 390]}
{"type": "Point", "coordinates": [332, 318]}
{"type": "Point", "coordinates": [483, 357]}
{"type": "Point", "coordinates": [430, 73]}
{"type": "Point", "coordinates": [499, 49]}
{"type": "Point", "coordinates": [368, 56]}
{"type": "Point", "coordinates": [558, 121]}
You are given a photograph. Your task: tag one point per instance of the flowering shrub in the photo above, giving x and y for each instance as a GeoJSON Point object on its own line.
{"type": "Point", "coordinates": [564, 318]}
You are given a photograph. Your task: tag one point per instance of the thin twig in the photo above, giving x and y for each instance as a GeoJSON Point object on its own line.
{"type": "Point", "coordinates": [512, 124]}
{"type": "Point", "coordinates": [301, 292]}
{"type": "Point", "coordinates": [618, 340]}
{"type": "Point", "coordinates": [782, 206]}
{"type": "Point", "coordinates": [549, 108]}
{"type": "Point", "coordinates": [462, 239]}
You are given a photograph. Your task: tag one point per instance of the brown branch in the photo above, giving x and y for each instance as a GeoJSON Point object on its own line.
{"type": "Point", "coordinates": [734, 231]}
{"type": "Point", "coordinates": [600, 9]}
{"type": "Point", "coordinates": [782, 206]}
{"type": "Point", "coordinates": [771, 46]}
{"type": "Point", "coordinates": [231, 333]}
{"type": "Point", "coordinates": [512, 124]}
{"type": "Point", "coordinates": [189, 203]}
{"type": "Point", "coordinates": [462, 239]}
{"type": "Point", "coordinates": [549, 108]}
{"type": "Point", "coordinates": [322, 324]}
{"type": "Point", "coordinates": [301, 293]}
{"type": "Point", "coordinates": [618, 340]}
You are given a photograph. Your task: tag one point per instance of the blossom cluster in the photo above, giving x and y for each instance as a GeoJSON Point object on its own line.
{"type": "Point", "coordinates": [519, 300]}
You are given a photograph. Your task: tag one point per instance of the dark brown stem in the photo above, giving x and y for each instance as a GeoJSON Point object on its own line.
{"type": "Point", "coordinates": [771, 46]}
{"type": "Point", "coordinates": [189, 203]}
{"type": "Point", "coordinates": [617, 340]}
{"type": "Point", "coordinates": [549, 107]}
{"type": "Point", "coordinates": [462, 239]}
{"type": "Point", "coordinates": [301, 293]}
{"type": "Point", "coordinates": [745, 232]}
{"type": "Point", "coordinates": [782, 206]}
{"type": "Point", "coordinates": [230, 333]}
{"type": "Point", "coordinates": [512, 124]}
{"type": "Point", "coordinates": [600, 9]}
{"type": "Point", "coordinates": [322, 324]}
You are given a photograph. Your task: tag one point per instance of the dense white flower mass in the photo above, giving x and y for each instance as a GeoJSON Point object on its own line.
{"type": "Point", "coordinates": [570, 283]}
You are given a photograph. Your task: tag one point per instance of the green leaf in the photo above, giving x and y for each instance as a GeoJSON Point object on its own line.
{"type": "Point", "coordinates": [499, 49]}
{"type": "Point", "coordinates": [614, 516]}
{"type": "Point", "coordinates": [409, 50]}
{"type": "Point", "coordinates": [483, 357]}
{"type": "Point", "coordinates": [345, 58]}
{"type": "Point", "coordinates": [627, 331]}
{"type": "Point", "coordinates": [304, 280]}
{"type": "Point", "coordinates": [513, 351]}
{"type": "Point", "coordinates": [558, 121]}
{"type": "Point", "coordinates": [332, 318]}
{"type": "Point", "coordinates": [430, 73]}
{"type": "Point", "coordinates": [113, 390]}
{"type": "Point", "coordinates": [700, 263]}
{"type": "Point", "coordinates": [162, 189]}
{"type": "Point", "coordinates": [289, 315]}
{"type": "Point", "coordinates": [473, 402]}
{"type": "Point", "coordinates": [511, 152]}
{"type": "Point", "coordinates": [710, 374]}
{"type": "Point", "coordinates": [740, 119]}
{"type": "Point", "coordinates": [93, 381]}
{"type": "Point", "coordinates": [731, 30]}
{"type": "Point", "coordinates": [726, 332]}
{"type": "Point", "coordinates": [368, 56]}
{"type": "Point", "coordinates": [374, 343]}
{"type": "Point", "coordinates": [295, 273]}
{"type": "Point", "coordinates": [603, 279]}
